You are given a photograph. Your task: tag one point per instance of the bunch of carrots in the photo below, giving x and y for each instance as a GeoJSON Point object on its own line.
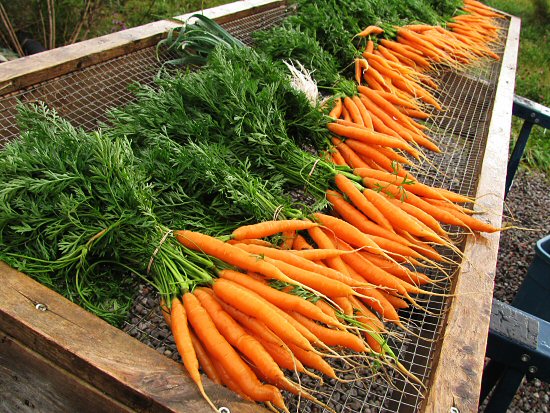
{"type": "Point", "coordinates": [288, 295]}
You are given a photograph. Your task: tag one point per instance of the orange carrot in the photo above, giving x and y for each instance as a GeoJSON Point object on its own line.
{"type": "Point", "coordinates": [370, 30]}
{"type": "Point", "coordinates": [336, 111]}
{"type": "Point", "coordinates": [348, 233]}
{"type": "Point", "coordinates": [239, 338]}
{"type": "Point", "coordinates": [300, 243]}
{"type": "Point", "coordinates": [218, 346]}
{"type": "Point", "coordinates": [350, 157]}
{"type": "Point", "coordinates": [353, 111]}
{"type": "Point", "coordinates": [254, 305]}
{"type": "Point", "coordinates": [268, 228]}
{"type": "Point", "coordinates": [182, 337]}
{"type": "Point", "coordinates": [331, 337]}
{"type": "Point", "coordinates": [284, 301]}
{"type": "Point", "coordinates": [204, 359]}
{"type": "Point", "coordinates": [371, 137]}
{"type": "Point", "coordinates": [345, 185]}
{"type": "Point", "coordinates": [293, 258]}
{"type": "Point", "coordinates": [367, 120]}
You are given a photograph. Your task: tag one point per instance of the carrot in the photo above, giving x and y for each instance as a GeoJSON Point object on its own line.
{"type": "Point", "coordinates": [370, 30]}
{"type": "Point", "coordinates": [337, 157]}
{"type": "Point", "coordinates": [396, 100]}
{"type": "Point", "coordinates": [182, 337]}
{"type": "Point", "coordinates": [252, 324]}
{"type": "Point", "coordinates": [367, 120]}
{"type": "Point", "coordinates": [370, 46]}
{"type": "Point", "coordinates": [323, 241]}
{"type": "Point", "coordinates": [385, 105]}
{"type": "Point", "coordinates": [344, 304]}
{"type": "Point", "coordinates": [282, 357]}
{"type": "Point", "coordinates": [397, 270]}
{"type": "Point", "coordinates": [371, 137]}
{"type": "Point", "coordinates": [414, 113]}
{"type": "Point", "coordinates": [324, 285]}
{"type": "Point", "coordinates": [313, 360]}
{"type": "Point", "coordinates": [204, 359]}
{"type": "Point", "coordinates": [331, 337]}
{"type": "Point", "coordinates": [372, 325]}
{"type": "Point", "coordinates": [315, 254]}
{"type": "Point", "coordinates": [437, 213]}
{"type": "Point", "coordinates": [268, 228]}
{"type": "Point", "coordinates": [369, 271]}
{"type": "Point", "coordinates": [218, 346]}
{"type": "Point", "coordinates": [400, 219]}
{"type": "Point", "coordinates": [348, 233]}
{"type": "Point", "coordinates": [345, 114]}
{"type": "Point", "coordinates": [284, 301]}
{"type": "Point", "coordinates": [347, 187]}
{"type": "Point", "coordinates": [381, 114]}
{"type": "Point", "coordinates": [350, 157]}
{"type": "Point", "coordinates": [239, 338]}
{"type": "Point", "coordinates": [375, 155]}
{"type": "Point", "coordinates": [300, 243]}
{"type": "Point", "coordinates": [419, 214]}
{"type": "Point", "coordinates": [254, 305]}
{"type": "Point", "coordinates": [228, 381]}
{"type": "Point", "coordinates": [353, 111]}
{"type": "Point", "coordinates": [326, 308]}
{"type": "Point", "coordinates": [251, 241]}
{"type": "Point", "coordinates": [293, 258]}
{"type": "Point", "coordinates": [288, 239]}
{"type": "Point", "coordinates": [396, 302]}
{"type": "Point", "coordinates": [229, 254]}
{"type": "Point", "coordinates": [393, 156]}
{"type": "Point", "coordinates": [336, 111]}
{"type": "Point", "coordinates": [357, 219]}
{"type": "Point", "coordinates": [412, 54]}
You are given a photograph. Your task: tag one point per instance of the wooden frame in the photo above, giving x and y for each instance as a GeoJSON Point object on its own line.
{"type": "Point", "coordinates": [66, 347]}
{"type": "Point", "coordinates": [456, 381]}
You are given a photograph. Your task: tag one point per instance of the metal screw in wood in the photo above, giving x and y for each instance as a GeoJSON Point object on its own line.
{"type": "Point", "coordinates": [41, 307]}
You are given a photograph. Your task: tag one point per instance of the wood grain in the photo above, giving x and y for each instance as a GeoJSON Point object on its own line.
{"type": "Point", "coordinates": [30, 382]}
{"type": "Point", "coordinates": [456, 380]}
{"type": "Point", "coordinates": [99, 354]}
{"type": "Point", "coordinates": [21, 73]}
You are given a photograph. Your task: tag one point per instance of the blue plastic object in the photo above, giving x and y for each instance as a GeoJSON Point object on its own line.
{"type": "Point", "coordinates": [533, 296]}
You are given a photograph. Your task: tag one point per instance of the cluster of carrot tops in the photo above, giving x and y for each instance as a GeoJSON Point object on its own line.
{"type": "Point", "coordinates": [187, 189]}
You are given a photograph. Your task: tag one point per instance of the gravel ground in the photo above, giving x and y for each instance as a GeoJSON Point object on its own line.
{"type": "Point", "coordinates": [528, 204]}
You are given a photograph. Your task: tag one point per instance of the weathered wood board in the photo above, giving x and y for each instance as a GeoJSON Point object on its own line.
{"type": "Point", "coordinates": [86, 360]}
{"type": "Point", "coordinates": [456, 381]}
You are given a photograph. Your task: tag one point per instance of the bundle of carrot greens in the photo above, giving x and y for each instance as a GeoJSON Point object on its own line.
{"type": "Point", "coordinates": [214, 186]}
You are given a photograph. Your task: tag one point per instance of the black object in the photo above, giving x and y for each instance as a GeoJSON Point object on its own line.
{"type": "Point", "coordinates": [519, 335]}
{"type": "Point", "coordinates": [30, 45]}
{"type": "Point", "coordinates": [533, 114]}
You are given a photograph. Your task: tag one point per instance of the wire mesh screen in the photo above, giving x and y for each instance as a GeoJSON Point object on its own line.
{"type": "Point", "coordinates": [83, 97]}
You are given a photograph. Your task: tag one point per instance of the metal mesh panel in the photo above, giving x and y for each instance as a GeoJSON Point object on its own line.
{"type": "Point", "coordinates": [84, 96]}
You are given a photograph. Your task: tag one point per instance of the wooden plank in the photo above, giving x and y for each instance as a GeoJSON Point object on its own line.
{"type": "Point", "coordinates": [21, 73]}
{"type": "Point", "coordinates": [106, 358]}
{"type": "Point", "coordinates": [456, 380]}
{"type": "Point", "coordinates": [30, 381]}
